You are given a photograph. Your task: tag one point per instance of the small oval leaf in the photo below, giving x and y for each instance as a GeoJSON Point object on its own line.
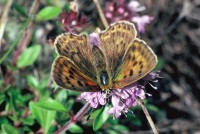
{"type": "Point", "coordinates": [8, 129]}
{"type": "Point", "coordinates": [75, 129]}
{"type": "Point", "coordinates": [28, 56]}
{"type": "Point", "coordinates": [44, 117]}
{"type": "Point", "coordinates": [51, 104]}
{"type": "Point", "coordinates": [32, 81]}
{"type": "Point", "coordinates": [47, 13]}
{"type": "Point", "coordinates": [101, 118]}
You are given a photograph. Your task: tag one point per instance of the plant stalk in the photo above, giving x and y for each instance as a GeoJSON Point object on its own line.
{"type": "Point", "coordinates": [101, 14]}
{"type": "Point", "coordinates": [153, 127]}
{"type": "Point", "coordinates": [74, 119]}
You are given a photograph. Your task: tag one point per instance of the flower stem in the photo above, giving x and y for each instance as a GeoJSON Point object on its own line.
{"type": "Point", "coordinates": [74, 119]}
{"type": "Point", "coordinates": [102, 16]}
{"type": "Point", "coordinates": [153, 127]}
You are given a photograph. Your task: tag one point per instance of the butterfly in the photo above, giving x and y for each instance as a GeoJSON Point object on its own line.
{"type": "Point", "coordinates": [118, 60]}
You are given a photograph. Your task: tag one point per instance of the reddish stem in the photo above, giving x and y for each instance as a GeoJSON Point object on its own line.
{"type": "Point", "coordinates": [26, 37]}
{"type": "Point", "coordinates": [74, 119]}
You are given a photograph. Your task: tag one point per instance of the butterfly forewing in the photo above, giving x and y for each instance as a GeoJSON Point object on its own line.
{"type": "Point", "coordinates": [114, 41]}
{"type": "Point", "coordinates": [138, 60]}
{"type": "Point", "coordinates": [67, 75]}
{"type": "Point", "coordinates": [76, 48]}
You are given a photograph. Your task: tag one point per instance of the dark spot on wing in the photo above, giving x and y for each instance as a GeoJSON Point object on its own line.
{"type": "Point", "coordinates": [128, 28]}
{"type": "Point", "coordinates": [142, 53]}
{"type": "Point", "coordinates": [112, 28]}
{"type": "Point", "coordinates": [129, 57]}
{"type": "Point", "coordinates": [66, 78]}
{"type": "Point", "coordinates": [79, 83]}
{"type": "Point", "coordinates": [132, 47]}
{"type": "Point", "coordinates": [70, 72]}
{"type": "Point", "coordinates": [140, 72]}
{"type": "Point", "coordinates": [71, 76]}
{"type": "Point", "coordinates": [139, 48]}
{"type": "Point", "coordinates": [68, 82]}
{"type": "Point", "coordinates": [73, 70]}
{"type": "Point", "coordinates": [70, 35]}
{"type": "Point", "coordinates": [131, 72]}
{"type": "Point", "coordinates": [133, 58]}
{"type": "Point", "coordinates": [141, 66]}
{"type": "Point", "coordinates": [135, 63]}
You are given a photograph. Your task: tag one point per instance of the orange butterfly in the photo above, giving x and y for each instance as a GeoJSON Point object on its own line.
{"type": "Point", "coordinates": [118, 60]}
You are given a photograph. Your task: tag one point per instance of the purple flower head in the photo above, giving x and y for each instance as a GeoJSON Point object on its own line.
{"type": "Point", "coordinates": [141, 21]}
{"type": "Point", "coordinates": [120, 10]}
{"type": "Point", "coordinates": [121, 99]}
{"type": "Point", "coordinates": [118, 107]}
{"type": "Point", "coordinates": [116, 11]}
{"type": "Point", "coordinates": [135, 6]}
{"type": "Point", "coordinates": [94, 98]}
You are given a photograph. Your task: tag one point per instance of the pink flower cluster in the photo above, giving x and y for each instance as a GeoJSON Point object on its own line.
{"type": "Point", "coordinates": [121, 99]}
{"type": "Point", "coordinates": [119, 10]}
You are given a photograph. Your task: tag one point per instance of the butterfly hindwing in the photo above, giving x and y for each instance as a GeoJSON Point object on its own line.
{"type": "Point", "coordinates": [67, 75]}
{"type": "Point", "coordinates": [138, 60]}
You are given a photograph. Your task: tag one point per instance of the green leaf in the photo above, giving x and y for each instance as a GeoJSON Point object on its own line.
{"type": "Point", "coordinates": [32, 81]}
{"type": "Point", "coordinates": [67, 7]}
{"type": "Point", "coordinates": [3, 120]}
{"type": "Point", "coordinates": [110, 131]}
{"type": "Point", "coordinates": [152, 108]}
{"type": "Point", "coordinates": [76, 129]}
{"type": "Point", "coordinates": [136, 121]}
{"type": "Point", "coordinates": [12, 102]}
{"type": "Point", "coordinates": [47, 13]}
{"type": "Point", "coordinates": [8, 129]}
{"type": "Point", "coordinates": [51, 104]}
{"type": "Point", "coordinates": [2, 98]}
{"type": "Point", "coordinates": [101, 118]}
{"type": "Point", "coordinates": [120, 128]}
{"type": "Point", "coordinates": [44, 117]}
{"type": "Point", "coordinates": [61, 96]}
{"type": "Point", "coordinates": [95, 113]}
{"type": "Point", "coordinates": [43, 83]}
{"type": "Point", "coordinates": [161, 63]}
{"type": "Point", "coordinates": [29, 120]}
{"type": "Point", "coordinates": [28, 56]}
{"type": "Point", "coordinates": [20, 9]}
{"type": "Point", "coordinates": [69, 104]}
